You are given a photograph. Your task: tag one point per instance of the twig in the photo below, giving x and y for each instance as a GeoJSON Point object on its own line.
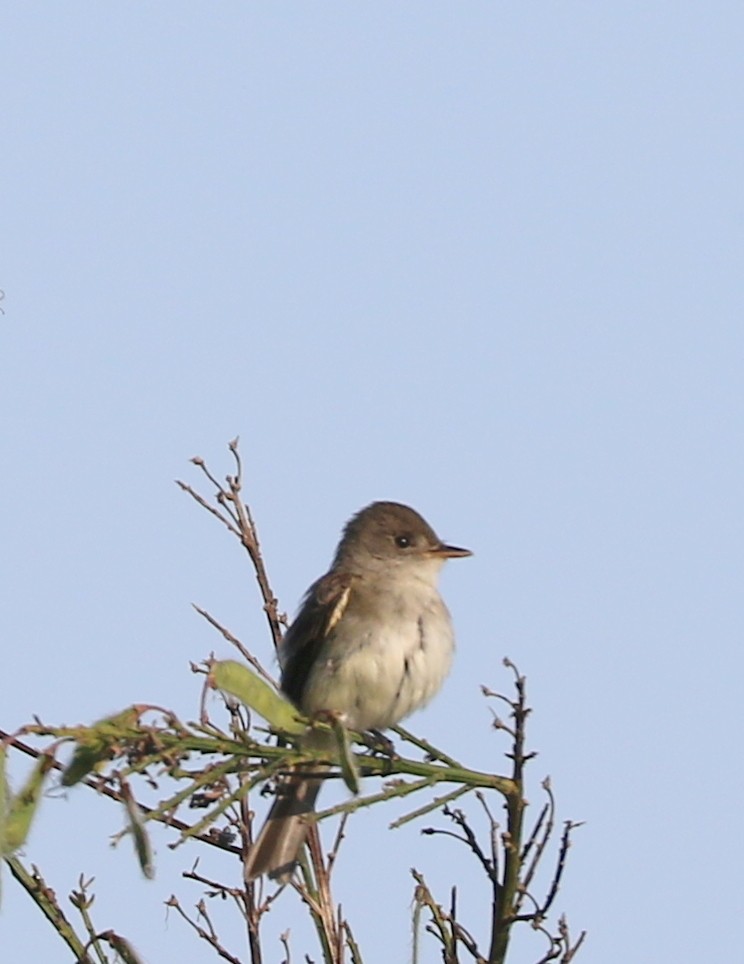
{"type": "Point", "coordinates": [209, 936]}
{"type": "Point", "coordinates": [431, 751]}
{"type": "Point", "coordinates": [238, 520]}
{"type": "Point", "coordinates": [435, 804]}
{"type": "Point", "coordinates": [100, 785]}
{"type": "Point", "coordinates": [234, 641]}
{"type": "Point", "coordinates": [570, 951]}
{"type": "Point", "coordinates": [205, 505]}
{"type": "Point", "coordinates": [560, 866]}
{"type": "Point", "coordinates": [45, 899]}
{"type": "Point", "coordinates": [548, 812]}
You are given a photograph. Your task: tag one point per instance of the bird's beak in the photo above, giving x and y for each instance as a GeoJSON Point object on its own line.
{"type": "Point", "coordinates": [450, 552]}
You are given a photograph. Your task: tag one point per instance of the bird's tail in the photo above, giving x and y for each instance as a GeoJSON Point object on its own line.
{"type": "Point", "coordinates": [278, 844]}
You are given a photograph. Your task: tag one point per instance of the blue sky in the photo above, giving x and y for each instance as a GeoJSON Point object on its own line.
{"type": "Point", "coordinates": [485, 259]}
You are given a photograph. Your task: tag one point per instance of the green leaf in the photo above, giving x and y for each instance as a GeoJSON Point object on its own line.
{"type": "Point", "coordinates": [85, 759]}
{"type": "Point", "coordinates": [349, 769]}
{"type": "Point", "coordinates": [21, 807]}
{"type": "Point", "coordinates": [98, 744]}
{"type": "Point", "coordinates": [243, 683]}
{"type": "Point", "coordinates": [136, 825]}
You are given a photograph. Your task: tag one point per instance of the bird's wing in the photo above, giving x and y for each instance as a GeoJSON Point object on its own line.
{"type": "Point", "coordinates": [321, 609]}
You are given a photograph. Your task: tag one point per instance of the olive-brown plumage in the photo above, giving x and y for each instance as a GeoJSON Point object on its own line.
{"type": "Point", "coordinates": [372, 642]}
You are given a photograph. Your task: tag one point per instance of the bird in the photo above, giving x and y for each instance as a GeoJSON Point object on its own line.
{"type": "Point", "coordinates": [372, 642]}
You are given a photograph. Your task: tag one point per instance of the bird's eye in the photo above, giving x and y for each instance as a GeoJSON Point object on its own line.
{"type": "Point", "coordinates": [402, 542]}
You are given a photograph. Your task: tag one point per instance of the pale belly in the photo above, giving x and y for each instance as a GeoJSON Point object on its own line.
{"type": "Point", "coordinates": [375, 677]}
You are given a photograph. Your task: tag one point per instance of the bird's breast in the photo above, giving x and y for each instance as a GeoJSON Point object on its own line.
{"type": "Point", "coordinates": [384, 659]}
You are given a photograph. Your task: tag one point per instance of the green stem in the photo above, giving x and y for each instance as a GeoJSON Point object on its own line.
{"type": "Point", "coordinates": [43, 896]}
